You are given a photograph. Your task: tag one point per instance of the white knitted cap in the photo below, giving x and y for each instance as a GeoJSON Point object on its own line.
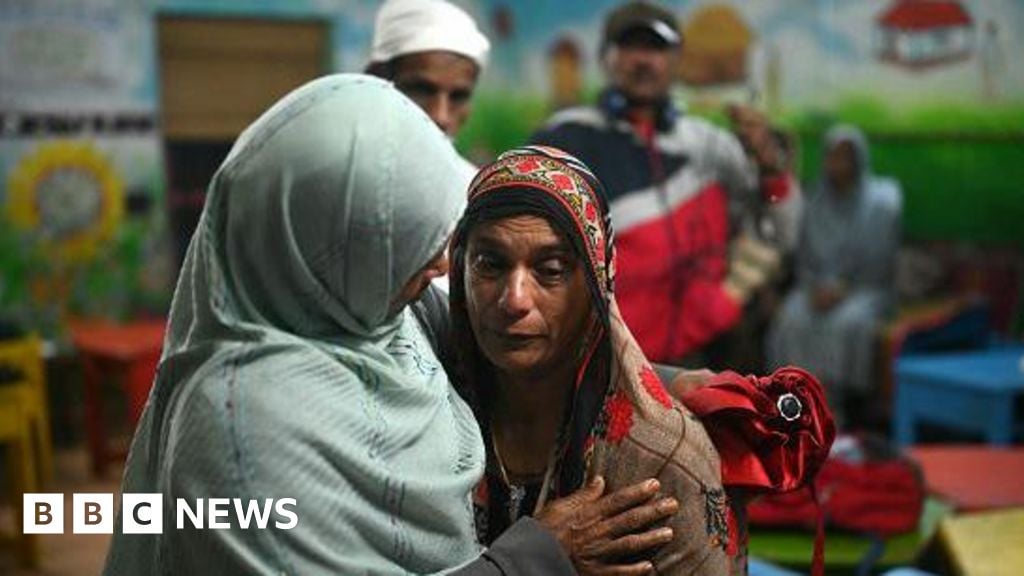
{"type": "Point", "coordinates": [410, 26]}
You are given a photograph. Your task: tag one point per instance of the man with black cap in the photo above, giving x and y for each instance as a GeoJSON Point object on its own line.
{"type": "Point", "coordinates": [684, 193]}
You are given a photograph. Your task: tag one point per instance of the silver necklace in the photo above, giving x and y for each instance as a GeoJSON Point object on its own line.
{"type": "Point", "coordinates": [517, 492]}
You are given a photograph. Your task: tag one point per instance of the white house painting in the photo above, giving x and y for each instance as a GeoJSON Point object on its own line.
{"type": "Point", "coordinates": [924, 33]}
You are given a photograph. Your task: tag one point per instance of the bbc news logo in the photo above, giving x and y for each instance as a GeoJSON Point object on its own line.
{"type": "Point", "coordinates": [143, 513]}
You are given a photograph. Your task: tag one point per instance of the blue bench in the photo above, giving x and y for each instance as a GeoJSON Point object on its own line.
{"type": "Point", "coordinates": [969, 391]}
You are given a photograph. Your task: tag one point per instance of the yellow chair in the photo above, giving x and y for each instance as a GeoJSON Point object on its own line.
{"type": "Point", "coordinates": [985, 543]}
{"type": "Point", "coordinates": [26, 356]}
{"type": "Point", "coordinates": [16, 431]}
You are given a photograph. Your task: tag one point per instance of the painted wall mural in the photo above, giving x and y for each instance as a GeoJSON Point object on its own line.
{"type": "Point", "coordinates": [909, 59]}
{"type": "Point", "coordinates": [80, 161]}
{"type": "Point", "coordinates": [935, 83]}
{"type": "Point", "coordinates": [918, 34]}
{"type": "Point", "coordinates": [69, 196]}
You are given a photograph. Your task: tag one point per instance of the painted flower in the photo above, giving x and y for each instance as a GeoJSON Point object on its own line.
{"type": "Point", "coordinates": [70, 195]}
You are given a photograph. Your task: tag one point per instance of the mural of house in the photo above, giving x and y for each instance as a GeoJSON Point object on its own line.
{"type": "Point", "coordinates": [715, 52]}
{"type": "Point", "coordinates": [924, 33]}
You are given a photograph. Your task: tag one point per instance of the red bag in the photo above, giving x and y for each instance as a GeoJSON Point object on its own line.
{"type": "Point", "coordinates": [865, 486]}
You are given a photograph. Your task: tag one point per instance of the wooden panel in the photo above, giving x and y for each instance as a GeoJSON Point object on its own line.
{"type": "Point", "coordinates": [218, 75]}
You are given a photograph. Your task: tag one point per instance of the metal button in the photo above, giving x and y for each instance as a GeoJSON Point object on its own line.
{"type": "Point", "coordinates": [789, 407]}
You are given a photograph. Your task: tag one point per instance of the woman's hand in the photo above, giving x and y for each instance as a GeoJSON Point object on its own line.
{"type": "Point", "coordinates": [598, 531]}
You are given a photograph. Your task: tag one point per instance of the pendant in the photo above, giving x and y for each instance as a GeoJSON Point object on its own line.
{"type": "Point", "coordinates": [516, 495]}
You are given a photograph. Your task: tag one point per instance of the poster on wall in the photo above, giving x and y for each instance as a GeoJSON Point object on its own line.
{"type": "Point", "coordinates": [80, 159]}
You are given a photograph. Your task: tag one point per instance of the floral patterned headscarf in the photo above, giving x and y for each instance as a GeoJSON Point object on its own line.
{"type": "Point", "coordinates": [622, 424]}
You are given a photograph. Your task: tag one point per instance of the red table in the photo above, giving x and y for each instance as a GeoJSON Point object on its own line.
{"type": "Point", "coordinates": [973, 477]}
{"type": "Point", "coordinates": [128, 353]}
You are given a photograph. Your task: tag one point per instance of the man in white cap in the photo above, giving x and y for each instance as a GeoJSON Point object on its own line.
{"type": "Point", "coordinates": [433, 52]}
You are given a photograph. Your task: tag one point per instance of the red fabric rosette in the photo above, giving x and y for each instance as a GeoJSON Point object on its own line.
{"type": "Point", "coordinates": [773, 433]}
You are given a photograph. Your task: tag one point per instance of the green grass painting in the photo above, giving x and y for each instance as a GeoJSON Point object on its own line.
{"type": "Point", "coordinates": [961, 167]}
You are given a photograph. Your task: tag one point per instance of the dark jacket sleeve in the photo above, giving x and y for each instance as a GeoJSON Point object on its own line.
{"type": "Point", "coordinates": [524, 549]}
{"type": "Point", "coordinates": [569, 137]}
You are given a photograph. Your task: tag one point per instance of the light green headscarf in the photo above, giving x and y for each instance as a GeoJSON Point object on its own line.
{"type": "Point", "coordinates": [283, 374]}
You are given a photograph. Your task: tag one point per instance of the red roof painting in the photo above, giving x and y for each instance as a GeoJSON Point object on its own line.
{"type": "Point", "coordinates": [925, 15]}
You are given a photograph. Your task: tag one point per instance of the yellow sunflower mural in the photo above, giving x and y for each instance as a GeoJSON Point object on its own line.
{"type": "Point", "coordinates": [69, 196]}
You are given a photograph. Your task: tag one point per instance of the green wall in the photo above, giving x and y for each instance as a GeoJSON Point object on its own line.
{"type": "Point", "coordinates": [958, 186]}
{"type": "Point", "coordinates": [967, 188]}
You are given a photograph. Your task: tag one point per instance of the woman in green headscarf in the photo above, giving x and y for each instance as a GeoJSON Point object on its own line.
{"type": "Point", "coordinates": [293, 368]}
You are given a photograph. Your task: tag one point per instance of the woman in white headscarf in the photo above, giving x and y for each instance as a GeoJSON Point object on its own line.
{"type": "Point", "coordinates": [293, 368]}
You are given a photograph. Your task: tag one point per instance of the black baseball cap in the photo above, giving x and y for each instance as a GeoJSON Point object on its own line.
{"type": "Point", "coordinates": [640, 15]}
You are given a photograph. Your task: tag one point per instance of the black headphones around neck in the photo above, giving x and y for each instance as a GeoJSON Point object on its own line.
{"type": "Point", "coordinates": [614, 103]}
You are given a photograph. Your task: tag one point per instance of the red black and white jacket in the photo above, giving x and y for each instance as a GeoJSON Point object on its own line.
{"type": "Point", "coordinates": [679, 190]}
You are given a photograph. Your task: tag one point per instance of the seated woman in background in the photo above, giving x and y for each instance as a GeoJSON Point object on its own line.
{"type": "Point", "coordinates": [845, 272]}
{"type": "Point", "coordinates": [560, 388]}
{"type": "Point", "coordinates": [293, 367]}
